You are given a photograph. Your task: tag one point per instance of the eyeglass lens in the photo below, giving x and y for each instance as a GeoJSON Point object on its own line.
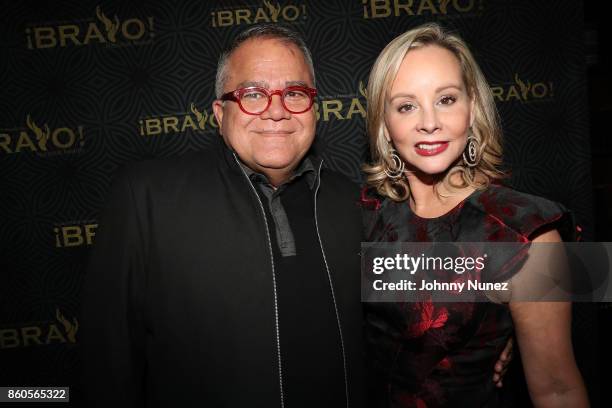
{"type": "Point", "coordinates": [256, 100]}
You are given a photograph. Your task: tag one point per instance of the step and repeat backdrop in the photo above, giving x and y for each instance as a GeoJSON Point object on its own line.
{"type": "Point", "coordinates": [87, 86]}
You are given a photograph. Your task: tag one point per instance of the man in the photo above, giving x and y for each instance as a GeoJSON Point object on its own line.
{"type": "Point", "coordinates": [230, 278]}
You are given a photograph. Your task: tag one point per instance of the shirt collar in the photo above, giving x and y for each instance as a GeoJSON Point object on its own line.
{"type": "Point", "coordinates": [305, 168]}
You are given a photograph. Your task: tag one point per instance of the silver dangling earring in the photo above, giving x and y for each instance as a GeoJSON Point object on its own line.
{"type": "Point", "coordinates": [397, 170]}
{"type": "Point", "coordinates": [471, 159]}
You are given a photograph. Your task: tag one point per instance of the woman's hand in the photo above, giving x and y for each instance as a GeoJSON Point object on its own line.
{"type": "Point", "coordinates": [501, 366]}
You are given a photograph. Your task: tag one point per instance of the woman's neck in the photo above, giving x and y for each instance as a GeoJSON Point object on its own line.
{"type": "Point", "coordinates": [429, 197]}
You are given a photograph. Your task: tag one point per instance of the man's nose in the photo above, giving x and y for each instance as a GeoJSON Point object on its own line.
{"type": "Point", "coordinates": [276, 110]}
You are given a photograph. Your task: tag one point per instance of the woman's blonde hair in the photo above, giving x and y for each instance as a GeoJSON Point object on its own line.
{"type": "Point", "coordinates": [485, 128]}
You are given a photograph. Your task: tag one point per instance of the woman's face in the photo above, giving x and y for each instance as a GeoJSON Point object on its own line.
{"type": "Point", "coordinates": [428, 110]}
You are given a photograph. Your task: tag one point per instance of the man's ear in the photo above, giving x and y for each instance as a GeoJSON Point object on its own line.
{"type": "Point", "coordinates": [217, 107]}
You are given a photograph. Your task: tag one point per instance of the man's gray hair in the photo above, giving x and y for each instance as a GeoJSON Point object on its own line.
{"type": "Point", "coordinates": [273, 31]}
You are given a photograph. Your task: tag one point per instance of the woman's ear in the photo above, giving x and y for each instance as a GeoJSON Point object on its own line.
{"type": "Point", "coordinates": [385, 132]}
{"type": "Point", "coordinates": [472, 108]}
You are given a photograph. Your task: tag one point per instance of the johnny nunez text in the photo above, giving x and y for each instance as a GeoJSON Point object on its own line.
{"type": "Point", "coordinates": [434, 285]}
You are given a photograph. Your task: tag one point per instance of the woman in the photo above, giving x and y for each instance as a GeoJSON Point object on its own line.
{"type": "Point", "coordinates": [436, 148]}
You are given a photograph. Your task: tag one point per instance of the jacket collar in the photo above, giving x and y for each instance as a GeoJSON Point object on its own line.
{"type": "Point", "coordinates": [308, 167]}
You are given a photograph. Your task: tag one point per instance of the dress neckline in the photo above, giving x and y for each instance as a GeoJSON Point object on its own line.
{"type": "Point", "coordinates": [449, 213]}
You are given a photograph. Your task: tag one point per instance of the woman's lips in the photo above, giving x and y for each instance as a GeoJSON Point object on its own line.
{"type": "Point", "coordinates": [430, 148]}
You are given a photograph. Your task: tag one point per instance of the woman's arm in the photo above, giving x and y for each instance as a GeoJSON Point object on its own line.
{"type": "Point", "coordinates": [543, 331]}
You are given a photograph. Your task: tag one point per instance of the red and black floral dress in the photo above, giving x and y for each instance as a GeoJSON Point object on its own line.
{"type": "Point", "coordinates": [442, 354]}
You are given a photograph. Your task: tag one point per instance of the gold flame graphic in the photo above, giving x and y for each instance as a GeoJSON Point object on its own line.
{"type": "Point", "coordinates": [525, 88]}
{"type": "Point", "coordinates": [362, 89]}
{"type": "Point", "coordinates": [69, 327]}
{"type": "Point", "coordinates": [274, 11]}
{"type": "Point", "coordinates": [200, 117]}
{"type": "Point", "coordinates": [444, 6]}
{"type": "Point", "coordinates": [41, 136]}
{"type": "Point", "coordinates": [111, 28]}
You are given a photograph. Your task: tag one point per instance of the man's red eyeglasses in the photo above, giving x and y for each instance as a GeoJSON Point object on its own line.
{"type": "Point", "coordinates": [255, 100]}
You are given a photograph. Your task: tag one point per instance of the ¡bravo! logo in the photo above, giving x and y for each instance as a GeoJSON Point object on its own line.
{"type": "Point", "coordinates": [342, 107]}
{"type": "Point", "coordinates": [522, 91]}
{"type": "Point", "coordinates": [194, 119]}
{"type": "Point", "coordinates": [266, 13]}
{"type": "Point", "coordinates": [41, 139]}
{"type": "Point", "coordinates": [101, 30]}
{"type": "Point", "coordinates": [74, 234]}
{"type": "Point", "coordinates": [397, 8]}
{"type": "Point", "coordinates": [56, 331]}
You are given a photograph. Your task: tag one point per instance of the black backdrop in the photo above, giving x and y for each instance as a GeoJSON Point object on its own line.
{"type": "Point", "coordinates": [88, 86]}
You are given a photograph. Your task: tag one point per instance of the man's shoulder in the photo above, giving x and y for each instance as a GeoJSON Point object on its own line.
{"type": "Point", "coordinates": [173, 164]}
{"type": "Point", "coordinates": [169, 174]}
{"type": "Point", "coordinates": [171, 167]}
{"type": "Point", "coordinates": [338, 186]}
{"type": "Point", "coordinates": [329, 176]}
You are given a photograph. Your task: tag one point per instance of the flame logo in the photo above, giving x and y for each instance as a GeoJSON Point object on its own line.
{"type": "Point", "coordinates": [41, 136]}
{"type": "Point", "coordinates": [274, 11]}
{"type": "Point", "coordinates": [443, 6]}
{"type": "Point", "coordinates": [69, 327]}
{"type": "Point", "coordinates": [525, 88]}
{"type": "Point", "coordinates": [111, 27]}
{"type": "Point", "coordinates": [200, 117]}
{"type": "Point", "coordinates": [362, 89]}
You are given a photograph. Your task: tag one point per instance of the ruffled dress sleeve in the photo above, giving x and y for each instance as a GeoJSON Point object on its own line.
{"type": "Point", "coordinates": [507, 215]}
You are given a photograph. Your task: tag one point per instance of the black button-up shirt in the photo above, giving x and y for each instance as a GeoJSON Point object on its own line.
{"type": "Point", "coordinates": [284, 235]}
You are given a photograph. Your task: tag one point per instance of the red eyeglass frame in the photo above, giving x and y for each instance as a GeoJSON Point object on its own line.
{"type": "Point", "coordinates": [236, 94]}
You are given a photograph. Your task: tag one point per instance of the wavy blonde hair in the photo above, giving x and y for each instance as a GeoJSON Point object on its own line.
{"type": "Point", "coordinates": [485, 128]}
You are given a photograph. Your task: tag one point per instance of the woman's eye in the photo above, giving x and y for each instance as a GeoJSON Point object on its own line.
{"type": "Point", "coordinates": [406, 107]}
{"type": "Point", "coordinates": [448, 100]}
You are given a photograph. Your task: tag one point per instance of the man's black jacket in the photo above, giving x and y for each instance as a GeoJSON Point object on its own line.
{"type": "Point", "coordinates": [178, 301]}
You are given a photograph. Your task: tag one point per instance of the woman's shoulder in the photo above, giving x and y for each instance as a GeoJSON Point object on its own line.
{"type": "Point", "coordinates": [522, 213]}
{"type": "Point", "coordinates": [370, 200]}
{"type": "Point", "coordinates": [375, 205]}
{"type": "Point", "coordinates": [377, 210]}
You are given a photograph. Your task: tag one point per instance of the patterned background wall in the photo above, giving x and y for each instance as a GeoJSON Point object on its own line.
{"type": "Point", "coordinates": [87, 86]}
